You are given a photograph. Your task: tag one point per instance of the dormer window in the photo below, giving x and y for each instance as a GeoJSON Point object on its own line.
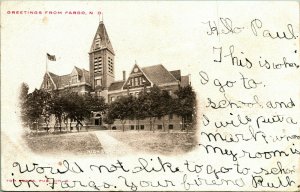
{"type": "Point", "coordinates": [47, 84]}
{"type": "Point", "coordinates": [97, 45]}
{"type": "Point", "coordinates": [74, 79]}
{"type": "Point", "coordinates": [97, 42]}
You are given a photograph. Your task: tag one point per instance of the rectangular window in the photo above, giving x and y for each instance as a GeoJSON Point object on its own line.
{"type": "Point", "coordinates": [110, 65]}
{"type": "Point", "coordinates": [136, 81]}
{"type": "Point", "coordinates": [132, 127]}
{"type": "Point", "coordinates": [159, 126]}
{"type": "Point", "coordinates": [98, 82]}
{"type": "Point", "coordinates": [170, 116]}
{"type": "Point", "coordinates": [112, 99]}
{"type": "Point", "coordinates": [142, 127]}
{"type": "Point", "coordinates": [98, 64]}
{"type": "Point", "coordinates": [141, 80]}
{"type": "Point", "coordinates": [47, 84]}
{"type": "Point", "coordinates": [170, 126]}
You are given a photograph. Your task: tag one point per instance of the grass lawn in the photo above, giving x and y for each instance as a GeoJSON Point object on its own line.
{"type": "Point", "coordinates": [157, 142]}
{"type": "Point", "coordinates": [69, 143]}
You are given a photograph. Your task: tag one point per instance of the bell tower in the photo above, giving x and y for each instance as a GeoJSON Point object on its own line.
{"type": "Point", "coordinates": [102, 58]}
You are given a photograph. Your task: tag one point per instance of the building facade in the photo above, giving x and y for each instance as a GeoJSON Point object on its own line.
{"type": "Point", "coordinates": [100, 81]}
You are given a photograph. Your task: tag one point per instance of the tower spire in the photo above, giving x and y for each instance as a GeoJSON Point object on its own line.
{"type": "Point", "coordinates": [102, 61]}
{"type": "Point", "coordinates": [101, 17]}
{"type": "Point", "coordinates": [101, 39]}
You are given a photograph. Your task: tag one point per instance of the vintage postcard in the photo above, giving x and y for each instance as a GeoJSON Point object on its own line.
{"type": "Point", "coordinates": [150, 96]}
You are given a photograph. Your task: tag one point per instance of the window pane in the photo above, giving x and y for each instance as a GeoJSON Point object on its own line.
{"type": "Point", "coordinates": [141, 80]}
{"type": "Point", "coordinates": [98, 81]}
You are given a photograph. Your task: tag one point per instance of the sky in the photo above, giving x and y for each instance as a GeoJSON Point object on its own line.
{"type": "Point", "coordinates": [149, 32]}
{"type": "Point", "coordinates": [142, 32]}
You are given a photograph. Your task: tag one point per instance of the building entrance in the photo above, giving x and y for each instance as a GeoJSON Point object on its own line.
{"type": "Point", "coordinates": [98, 120]}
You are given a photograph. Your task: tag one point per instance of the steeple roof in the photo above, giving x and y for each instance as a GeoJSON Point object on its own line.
{"type": "Point", "coordinates": [101, 39]}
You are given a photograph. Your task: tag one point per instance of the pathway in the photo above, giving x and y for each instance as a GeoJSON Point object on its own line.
{"type": "Point", "coordinates": [112, 146]}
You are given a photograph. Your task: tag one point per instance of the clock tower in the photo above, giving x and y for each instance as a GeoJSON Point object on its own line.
{"type": "Point", "coordinates": [101, 57]}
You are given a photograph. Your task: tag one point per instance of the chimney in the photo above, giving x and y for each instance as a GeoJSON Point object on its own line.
{"type": "Point", "coordinates": [124, 75]}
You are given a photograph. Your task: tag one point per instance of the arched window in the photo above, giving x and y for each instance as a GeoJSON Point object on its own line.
{"type": "Point", "coordinates": [98, 115]}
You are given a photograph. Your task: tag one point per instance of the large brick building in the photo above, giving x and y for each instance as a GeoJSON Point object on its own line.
{"type": "Point", "coordinates": [100, 81]}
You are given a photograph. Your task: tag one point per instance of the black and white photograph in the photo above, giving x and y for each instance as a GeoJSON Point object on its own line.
{"type": "Point", "coordinates": [151, 110]}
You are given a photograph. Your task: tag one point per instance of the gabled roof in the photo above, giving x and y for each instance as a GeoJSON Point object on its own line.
{"type": "Point", "coordinates": [86, 75]}
{"type": "Point", "coordinates": [49, 76]}
{"type": "Point", "coordinates": [117, 85]}
{"type": "Point", "coordinates": [79, 71]}
{"type": "Point", "coordinates": [176, 74]}
{"type": "Point", "coordinates": [105, 42]}
{"type": "Point", "coordinates": [136, 71]}
{"type": "Point", "coordinates": [52, 74]}
{"type": "Point", "coordinates": [61, 81]}
{"type": "Point", "coordinates": [158, 74]}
